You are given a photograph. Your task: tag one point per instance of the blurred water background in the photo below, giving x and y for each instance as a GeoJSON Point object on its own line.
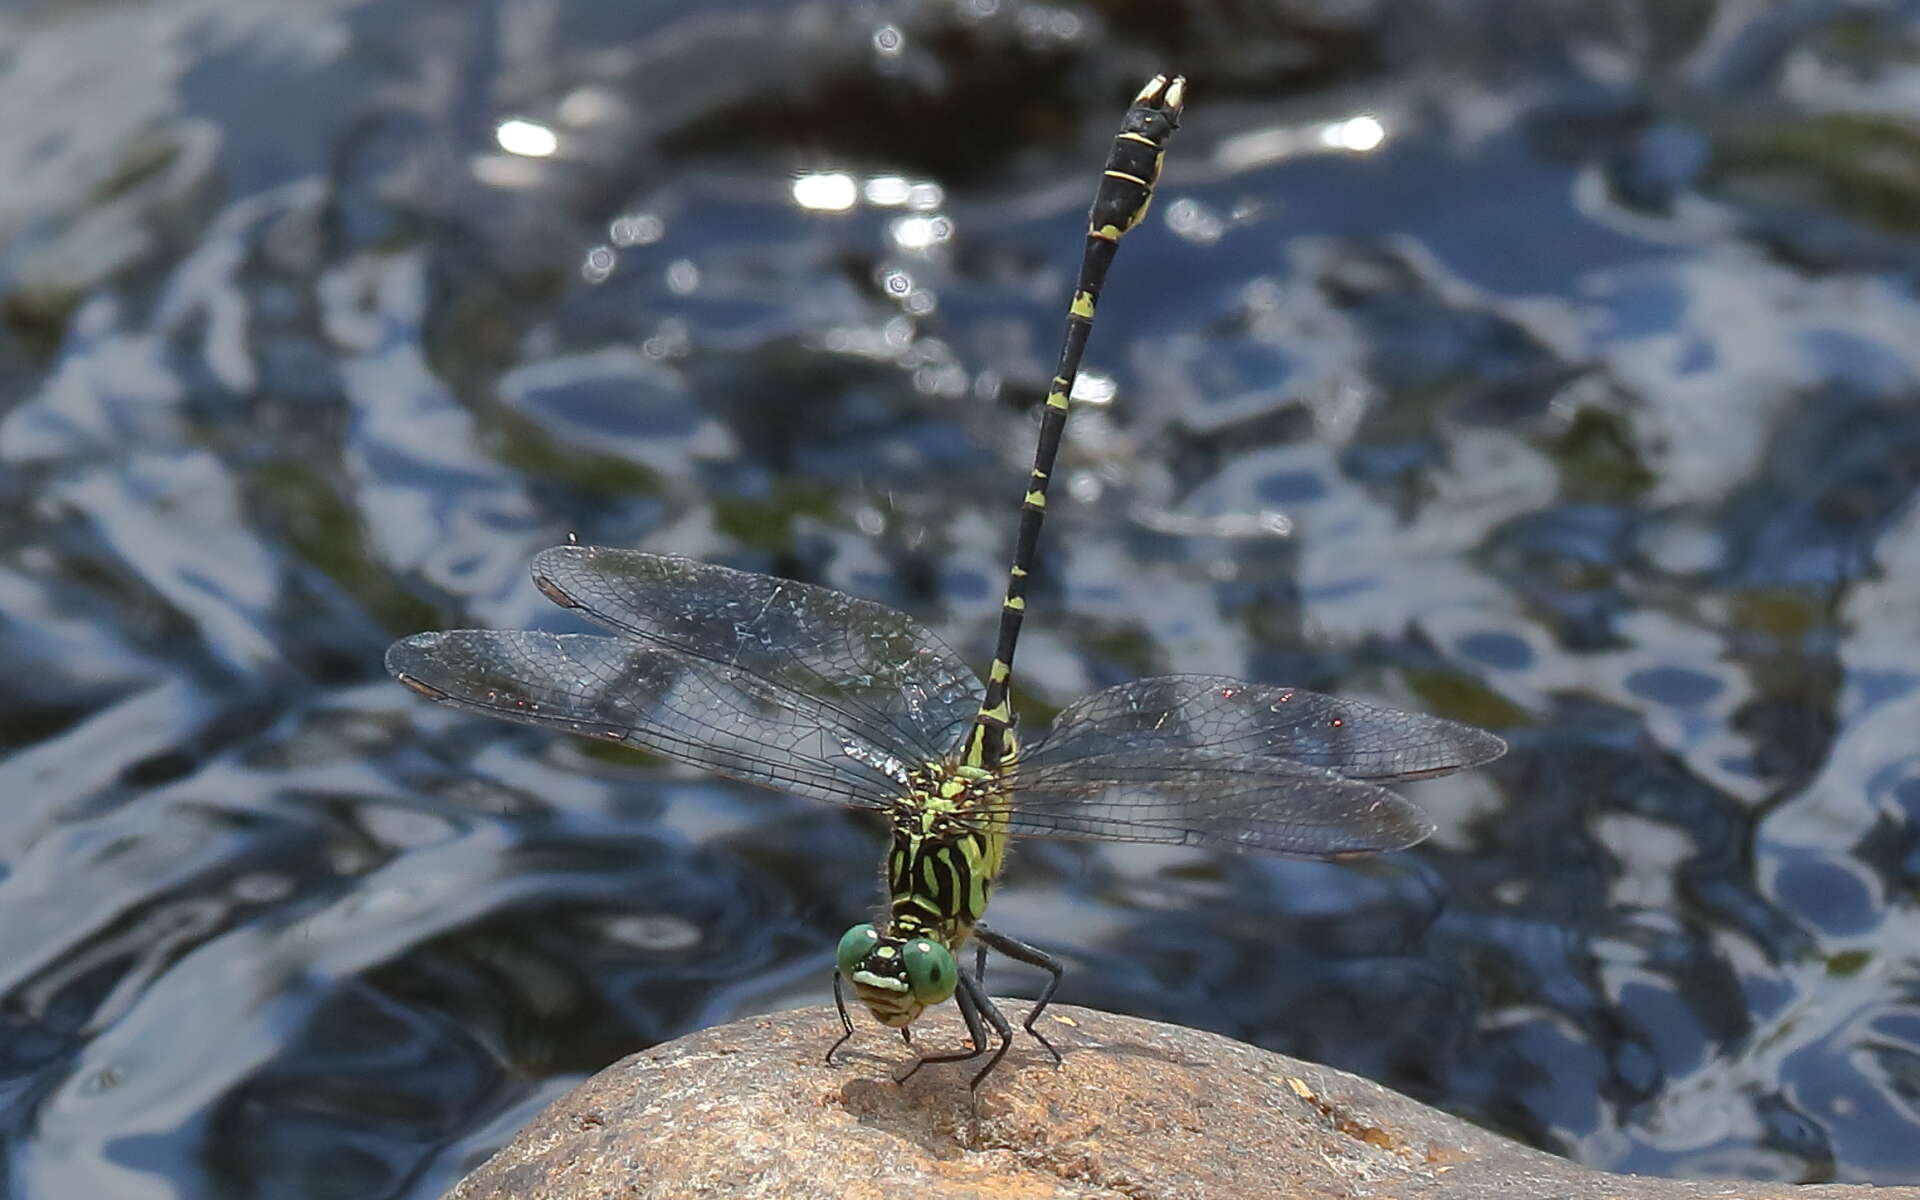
{"type": "Point", "coordinates": [1549, 365]}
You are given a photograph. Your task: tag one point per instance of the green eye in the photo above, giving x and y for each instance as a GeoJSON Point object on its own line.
{"type": "Point", "coordinates": [854, 945]}
{"type": "Point", "coordinates": [931, 972]}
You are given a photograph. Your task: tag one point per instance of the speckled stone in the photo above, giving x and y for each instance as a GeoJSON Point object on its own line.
{"type": "Point", "coordinates": [1139, 1111]}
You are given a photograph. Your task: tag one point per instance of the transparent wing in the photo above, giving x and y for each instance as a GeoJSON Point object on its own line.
{"type": "Point", "coordinates": [1155, 720]}
{"type": "Point", "coordinates": [1235, 802]}
{"type": "Point", "coordinates": [726, 720]}
{"type": "Point", "coordinates": [1212, 761]}
{"type": "Point", "coordinates": [856, 666]}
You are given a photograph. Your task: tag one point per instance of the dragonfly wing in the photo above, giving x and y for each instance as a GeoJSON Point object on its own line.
{"type": "Point", "coordinates": [1234, 802]}
{"type": "Point", "coordinates": [728, 721]}
{"type": "Point", "coordinates": [859, 666]}
{"type": "Point", "coordinates": [1211, 761]}
{"type": "Point", "coordinates": [1169, 715]}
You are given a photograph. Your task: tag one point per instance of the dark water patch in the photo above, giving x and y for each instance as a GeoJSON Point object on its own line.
{"type": "Point", "coordinates": [1570, 563]}
{"type": "Point", "coordinates": [1841, 467]}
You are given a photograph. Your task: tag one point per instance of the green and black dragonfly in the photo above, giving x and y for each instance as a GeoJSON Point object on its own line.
{"type": "Point", "coordinates": [815, 692]}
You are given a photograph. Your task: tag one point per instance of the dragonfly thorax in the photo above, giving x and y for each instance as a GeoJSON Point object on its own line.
{"type": "Point", "coordinates": [949, 836]}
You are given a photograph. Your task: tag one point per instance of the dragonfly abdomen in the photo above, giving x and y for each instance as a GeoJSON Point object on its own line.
{"type": "Point", "coordinates": [1126, 189]}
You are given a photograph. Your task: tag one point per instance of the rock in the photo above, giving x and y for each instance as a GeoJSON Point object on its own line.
{"type": "Point", "coordinates": [1138, 1110]}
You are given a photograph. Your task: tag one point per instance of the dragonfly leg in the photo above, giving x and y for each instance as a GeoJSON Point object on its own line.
{"type": "Point", "coordinates": [1033, 956]}
{"type": "Point", "coordinates": [846, 1022]}
{"type": "Point", "coordinates": [980, 964]}
{"type": "Point", "coordinates": [969, 1001]}
{"type": "Point", "coordinates": [977, 995]}
{"type": "Point", "coordinates": [906, 1034]}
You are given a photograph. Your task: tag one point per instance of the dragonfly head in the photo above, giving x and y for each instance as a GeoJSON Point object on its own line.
{"type": "Point", "coordinates": [896, 978]}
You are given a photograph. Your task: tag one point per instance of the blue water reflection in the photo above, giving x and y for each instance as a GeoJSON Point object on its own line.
{"type": "Point", "coordinates": [1545, 368]}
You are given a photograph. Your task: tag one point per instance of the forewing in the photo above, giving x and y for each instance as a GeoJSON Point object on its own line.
{"type": "Point", "coordinates": [861, 667]}
{"type": "Point", "coordinates": [1242, 802]}
{"type": "Point", "coordinates": [727, 721]}
{"type": "Point", "coordinates": [1165, 717]}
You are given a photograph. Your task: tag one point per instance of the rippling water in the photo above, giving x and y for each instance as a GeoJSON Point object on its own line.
{"type": "Point", "coordinates": [1550, 370]}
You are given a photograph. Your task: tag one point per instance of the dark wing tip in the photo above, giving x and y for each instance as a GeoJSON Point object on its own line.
{"type": "Point", "coordinates": [429, 663]}
{"type": "Point", "coordinates": [1415, 827]}
{"type": "Point", "coordinates": [568, 560]}
{"type": "Point", "coordinates": [1461, 747]}
{"type": "Point", "coordinates": [1478, 747]}
{"type": "Point", "coordinates": [1397, 824]}
{"type": "Point", "coordinates": [556, 558]}
{"type": "Point", "coordinates": [406, 656]}
{"type": "Point", "coordinates": [409, 657]}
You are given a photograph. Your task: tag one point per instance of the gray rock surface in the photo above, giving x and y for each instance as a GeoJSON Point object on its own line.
{"type": "Point", "coordinates": [1139, 1111]}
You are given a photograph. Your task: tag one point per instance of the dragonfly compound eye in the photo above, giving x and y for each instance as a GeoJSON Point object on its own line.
{"type": "Point", "coordinates": [854, 947]}
{"type": "Point", "coordinates": [931, 971]}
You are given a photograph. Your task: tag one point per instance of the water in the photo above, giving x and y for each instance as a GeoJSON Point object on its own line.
{"type": "Point", "coordinates": [1548, 370]}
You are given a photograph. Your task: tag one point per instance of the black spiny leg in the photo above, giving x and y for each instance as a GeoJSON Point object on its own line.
{"type": "Point", "coordinates": [968, 1000]}
{"type": "Point", "coordinates": [978, 995]}
{"type": "Point", "coordinates": [980, 965]}
{"type": "Point", "coordinates": [1033, 956]}
{"type": "Point", "coordinates": [846, 1022]}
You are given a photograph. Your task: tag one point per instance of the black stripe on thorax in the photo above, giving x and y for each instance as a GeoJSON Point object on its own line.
{"type": "Point", "coordinates": [930, 879]}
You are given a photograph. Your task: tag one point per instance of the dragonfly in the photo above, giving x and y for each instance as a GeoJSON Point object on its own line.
{"type": "Point", "coordinates": [815, 692]}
